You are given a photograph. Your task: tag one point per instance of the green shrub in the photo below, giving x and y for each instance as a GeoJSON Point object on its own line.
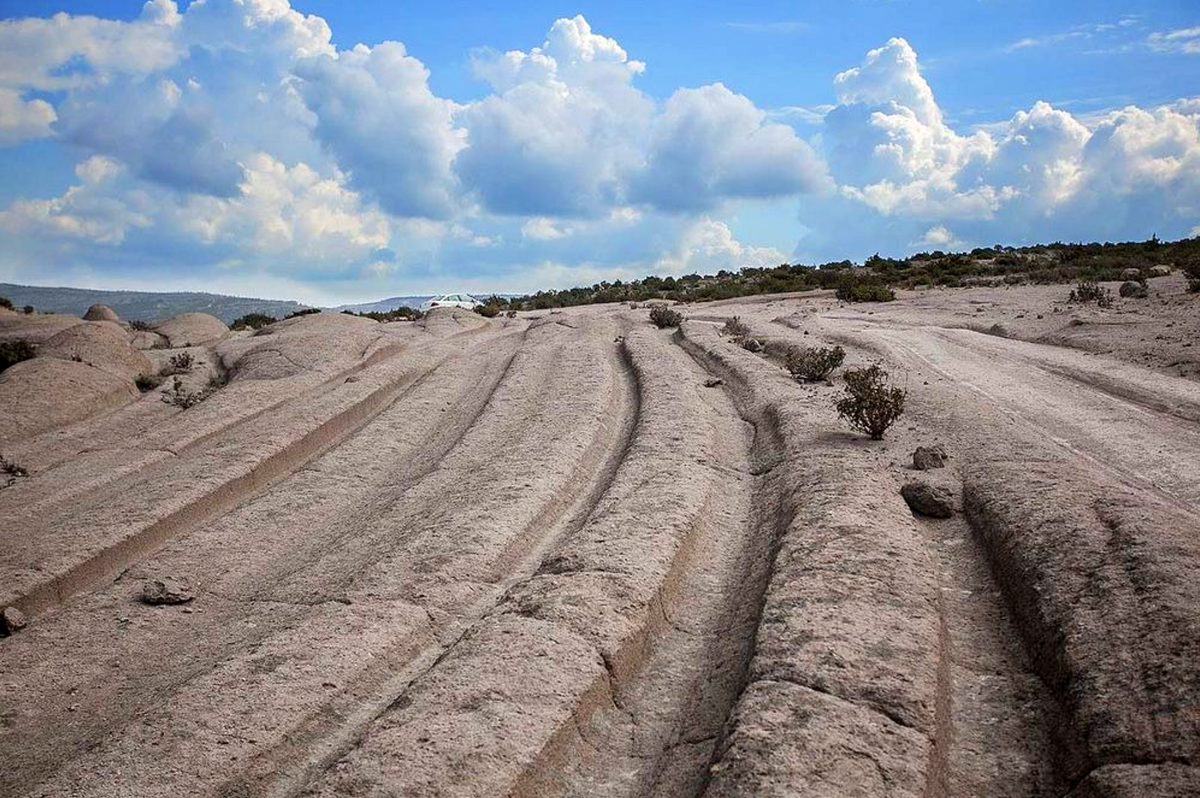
{"type": "Point", "coordinates": [13, 352]}
{"type": "Point", "coordinates": [182, 397]}
{"type": "Point", "coordinates": [253, 321]}
{"type": "Point", "coordinates": [1132, 289]}
{"type": "Point", "coordinates": [302, 312]}
{"type": "Point", "coordinates": [6, 304]}
{"type": "Point", "coordinates": [814, 363]}
{"type": "Point", "coordinates": [139, 326]}
{"type": "Point", "coordinates": [28, 309]}
{"type": "Point", "coordinates": [1091, 291]}
{"type": "Point", "coordinates": [488, 311]}
{"type": "Point", "coordinates": [870, 404]}
{"type": "Point", "coordinates": [863, 289]}
{"type": "Point", "coordinates": [664, 317]}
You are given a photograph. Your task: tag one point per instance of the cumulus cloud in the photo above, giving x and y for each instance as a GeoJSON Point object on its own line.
{"type": "Point", "coordinates": [709, 246]}
{"type": "Point", "coordinates": [376, 114]}
{"type": "Point", "coordinates": [710, 145]}
{"type": "Point", "coordinates": [1044, 173]}
{"type": "Point", "coordinates": [22, 120]}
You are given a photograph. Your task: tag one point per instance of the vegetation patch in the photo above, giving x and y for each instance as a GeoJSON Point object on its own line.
{"type": "Point", "coordinates": [6, 303]}
{"type": "Point", "coordinates": [10, 472]}
{"type": "Point", "coordinates": [180, 363]}
{"type": "Point", "coordinates": [402, 313]}
{"type": "Point", "coordinates": [13, 352]}
{"type": "Point", "coordinates": [302, 312]}
{"type": "Point", "coordinates": [864, 289]}
{"type": "Point", "coordinates": [253, 321]}
{"type": "Point", "coordinates": [137, 325]}
{"type": "Point", "coordinates": [1091, 291]}
{"type": "Point", "coordinates": [663, 316]}
{"type": "Point", "coordinates": [1192, 272]}
{"type": "Point", "coordinates": [814, 363]}
{"type": "Point", "coordinates": [870, 403]}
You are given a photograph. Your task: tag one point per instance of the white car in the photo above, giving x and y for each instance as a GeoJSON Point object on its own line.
{"type": "Point", "coordinates": [451, 301]}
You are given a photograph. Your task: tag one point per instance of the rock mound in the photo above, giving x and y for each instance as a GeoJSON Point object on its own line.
{"type": "Point", "coordinates": [101, 344]}
{"type": "Point", "coordinates": [98, 312]}
{"type": "Point", "coordinates": [46, 393]}
{"type": "Point", "coordinates": [927, 457]}
{"type": "Point", "coordinates": [320, 342]}
{"type": "Point", "coordinates": [192, 329]}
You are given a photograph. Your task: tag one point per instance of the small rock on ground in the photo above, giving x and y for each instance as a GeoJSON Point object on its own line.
{"type": "Point", "coordinates": [927, 457]}
{"type": "Point", "coordinates": [165, 591]}
{"type": "Point", "coordinates": [12, 620]}
{"type": "Point", "coordinates": [713, 382]}
{"type": "Point", "coordinates": [931, 500]}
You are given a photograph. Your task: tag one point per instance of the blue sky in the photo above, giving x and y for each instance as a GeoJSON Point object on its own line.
{"type": "Point", "coordinates": [334, 151]}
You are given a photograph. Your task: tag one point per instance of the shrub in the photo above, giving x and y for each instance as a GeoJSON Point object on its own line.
{"type": "Point", "coordinates": [1131, 289]}
{"type": "Point", "coordinates": [511, 314]}
{"type": "Point", "coordinates": [13, 352]}
{"type": "Point", "coordinates": [302, 312]}
{"type": "Point", "coordinates": [10, 472]}
{"type": "Point", "coordinates": [1091, 291]}
{"type": "Point", "coordinates": [1192, 270]}
{"type": "Point", "coordinates": [139, 326]}
{"type": "Point", "coordinates": [863, 289]}
{"type": "Point", "coordinates": [182, 397]}
{"type": "Point", "coordinates": [814, 363]}
{"type": "Point", "coordinates": [488, 311]}
{"type": "Point", "coordinates": [735, 329]}
{"type": "Point", "coordinates": [181, 363]}
{"type": "Point", "coordinates": [6, 304]}
{"type": "Point", "coordinates": [870, 404]}
{"type": "Point", "coordinates": [28, 310]}
{"type": "Point", "coordinates": [253, 321]}
{"type": "Point", "coordinates": [147, 382]}
{"type": "Point", "coordinates": [664, 317]}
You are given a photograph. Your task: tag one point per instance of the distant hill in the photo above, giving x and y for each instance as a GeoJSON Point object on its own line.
{"type": "Point", "coordinates": [144, 305]}
{"type": "Point", "coordinates": [385, 305]}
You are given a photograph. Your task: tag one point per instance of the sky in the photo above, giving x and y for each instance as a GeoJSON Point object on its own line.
{"type": "Point", "coordinates": [332, 152]}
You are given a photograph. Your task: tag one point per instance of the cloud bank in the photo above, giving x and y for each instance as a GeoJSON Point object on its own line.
{"type": "Point", "coordinates": [233, 141]}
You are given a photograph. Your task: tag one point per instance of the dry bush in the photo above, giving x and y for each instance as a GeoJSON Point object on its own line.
{"type": "Point", "coordinates": [870, 404]}
{"type": "Point", "coordinates": [1091, 291]}
{"type": "Point", "coordinates": [664, 317]}
{"type": "Point", "coordinates": [814, 363]}
{"type": "Point", "coordinates": [1192, 271]}
{"type": "Point", "coordinates": [10, 472]}
{"type": "Point", "coordinates": [735, 329]}
{"type": "Point", "coordinates": [181, 363]}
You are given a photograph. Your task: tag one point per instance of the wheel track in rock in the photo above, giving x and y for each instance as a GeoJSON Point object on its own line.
{"type": "Point", "coordinates": [330, 731]}
{"type": "Point", "coordinates": [667, 721]}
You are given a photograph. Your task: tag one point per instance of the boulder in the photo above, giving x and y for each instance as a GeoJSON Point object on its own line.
{"type": "Point", "coordinates": [1161, 270]}
{"type": "Point", "coordinates": [165, 590]}
{"type": "Point", "coordinates": [927, 457]}
{"type": "Point", "coordinates": [1133, 290]}
{"type": "Point", "coordinates": [12, 620]}
{"type": "Point", "coordinates": [1131, 274]}
{"type": "Point", "coordinates": [934, 501]}
{"type": "Point", "coordinates": [98, 312]}
{"type": "Point", "coordinates": [47, 393]}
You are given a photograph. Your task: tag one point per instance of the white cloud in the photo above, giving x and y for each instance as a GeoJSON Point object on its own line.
{"type": "Point", "coordinates": [938, 237]}
{"type": "Point", "coordinates": [710, 145]}
{"type": "Point", "coordinates": [377, 116]}
{"type": "Point", "coordinates": [708, 246]}
{"type": "Point", "coordinates": [1184, 40]}
{"type": "Point", "coordinates": [22, 120]}
{"type": "Point", "coordinates": [539, 228]}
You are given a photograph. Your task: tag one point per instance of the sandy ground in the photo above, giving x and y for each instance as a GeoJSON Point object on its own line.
{"type": "Point", "coordinates": [572, 554]}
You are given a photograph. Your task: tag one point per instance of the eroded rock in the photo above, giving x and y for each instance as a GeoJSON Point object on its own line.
{"type": "Point", "coordinates": [165, 590]}
{"type": "Point", "coordinates": [12, 620]}
{"type": "Point", "coordinates": [934, 501]}
{"type": "Point", "coordinates": [927, 457]}
{"type": "Point", "coordinates": [98, 312]}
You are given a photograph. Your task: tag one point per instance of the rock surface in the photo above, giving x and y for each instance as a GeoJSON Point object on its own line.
{"type": "Point", "coordinates": [12, 620]}
{"type": "Point", "coordinates": [192, 329]}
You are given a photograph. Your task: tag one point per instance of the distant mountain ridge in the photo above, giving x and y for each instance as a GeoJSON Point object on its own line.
{"type": "Point", "coordinates": [385, 305]}
{"type": "Point", "coordinates": [144, 305]}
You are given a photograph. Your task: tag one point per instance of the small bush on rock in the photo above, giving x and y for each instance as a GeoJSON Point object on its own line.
{"type": "Point", "coordinates": [139, 326]}
{"type": "Point", "coordinates": [302, 312]}
{"type": "Point", "coordinates": [181, 363]}
{"type": "Point", "coordinates": [10, 472]}
{"type": "Point", "coordinates": [814, 363]}
{"type": "Point", "coordinates": [13, 352]}
{"type": "Point", "coordinates": [28, 310]}
{"type": "Point", "coordinates": [1091, 291]}
{"type": "Point", "coordinates": [6, 303]}
{"type": "Point", "coordinates": [664, 317]}
{"type": "Point", "coordinates": [870, 403]}
{"type": "Point", "coordinates": [252, 321]}
{"type": "Point", "coordinates": [735, 329]}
